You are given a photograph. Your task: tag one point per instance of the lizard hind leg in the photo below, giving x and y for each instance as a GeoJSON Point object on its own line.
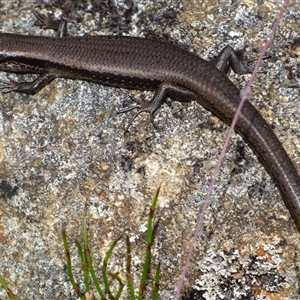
{"type": "Point", "coordinates": [162, 92]}
{"type": "Point", "coordinates": [234, 59]}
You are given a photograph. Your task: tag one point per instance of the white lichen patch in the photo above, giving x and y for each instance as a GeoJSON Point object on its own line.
{"type": "Point", "coordinates": [237, 274]}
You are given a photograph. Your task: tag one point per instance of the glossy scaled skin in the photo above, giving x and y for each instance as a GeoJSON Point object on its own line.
{"type": "Point", "coordinates": [151, 65]}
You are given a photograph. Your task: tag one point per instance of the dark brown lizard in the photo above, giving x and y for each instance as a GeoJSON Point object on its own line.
{"type": "Point", "coordinates": [148, 64]}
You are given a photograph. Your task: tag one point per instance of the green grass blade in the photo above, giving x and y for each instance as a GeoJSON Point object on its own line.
{"type": "Point", "coordinates": [104, 267]}
{"type": "Point", "coordinates": [89, 260]}
{"type": "Point", "coordinates": [148, 246]}
{"type": "Point", "coordinates": [69, 265]}
{"type": "Point", "coordinates": [84, 267]}
{"type": "Point", "coordinates": [118, 278]}
{"type": "Point", "coordinates": [3, 283]}
{"type": "Point", "coordinates": [6, 288]}
{"type": "Point", "coordinates": [156, 283]}
{"type": "Point", "coordinates": [128, 270]}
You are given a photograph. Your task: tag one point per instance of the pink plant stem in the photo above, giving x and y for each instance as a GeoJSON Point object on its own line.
{"type": "Point", "coordinates": [244, 96]}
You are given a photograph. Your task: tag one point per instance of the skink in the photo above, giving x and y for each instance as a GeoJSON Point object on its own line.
{"type": "Point", "coordinates": [148, 64]}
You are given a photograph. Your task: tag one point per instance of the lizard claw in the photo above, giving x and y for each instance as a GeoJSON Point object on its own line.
{"type": "Point", "coordinates": [8, 85]}
{"type": "Point", "coordinates": [45, 21]}
{"type": "Point", "coordinates": [48, 22]}
{"type": "Point", "coordinates": [142, 107]}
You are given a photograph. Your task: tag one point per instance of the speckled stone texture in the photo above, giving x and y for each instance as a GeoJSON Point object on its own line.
{"type": "Point", "coordinates": [65, 148]}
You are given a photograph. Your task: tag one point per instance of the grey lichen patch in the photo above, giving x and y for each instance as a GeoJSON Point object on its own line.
{"type": "Point", "coordinates": [255, 271]}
